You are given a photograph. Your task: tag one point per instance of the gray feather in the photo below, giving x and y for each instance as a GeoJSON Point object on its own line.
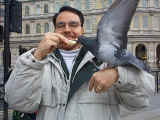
{"type": "Point", "coordinates": [111, 42]}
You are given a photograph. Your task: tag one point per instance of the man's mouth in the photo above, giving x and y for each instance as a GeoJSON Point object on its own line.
{"type": "Point", "coordinates": [70, 38]}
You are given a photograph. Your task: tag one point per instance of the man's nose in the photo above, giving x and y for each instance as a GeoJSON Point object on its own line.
{"type": "Point", "coordinates": [67, 28]}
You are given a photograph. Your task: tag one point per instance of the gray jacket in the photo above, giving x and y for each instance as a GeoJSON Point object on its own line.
{"type": "Point", "coordinates": [45, 86]}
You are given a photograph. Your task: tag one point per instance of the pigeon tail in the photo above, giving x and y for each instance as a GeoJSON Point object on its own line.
{"type": "Point", "coordinates": [135, 62]}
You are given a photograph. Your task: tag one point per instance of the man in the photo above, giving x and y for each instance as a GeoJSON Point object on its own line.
{"type": "Point", "coordinates": [60, 81]}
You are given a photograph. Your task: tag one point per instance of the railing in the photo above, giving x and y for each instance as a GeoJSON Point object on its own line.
{"type": "Point", "coordinates": [156, 73]}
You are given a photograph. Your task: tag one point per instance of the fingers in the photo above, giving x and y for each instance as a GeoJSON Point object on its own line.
{"type": "Point", "coordinates": [95, 84]}
{"type": "Point", "coordinates": [103, 79]}
{"type": "Point", "coordinates": [50, 42]}
{"type": "Point", "coordinates": [55, 39]}
{"type": "Point", "coordinates": [99, 88]}
{"type": "Point", "coordinates": [91, 83]}
{"type": "Point", "coordinates": [58, 38]}
{"type": "Point", "coordinates": [53, 45]}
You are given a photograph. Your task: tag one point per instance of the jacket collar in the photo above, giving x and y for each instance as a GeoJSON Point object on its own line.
{"type": "Point", "coordinates": [83, 57]}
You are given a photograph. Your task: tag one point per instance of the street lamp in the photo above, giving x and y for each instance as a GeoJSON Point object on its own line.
{"type": "Point", "coordinates": [13, 23]}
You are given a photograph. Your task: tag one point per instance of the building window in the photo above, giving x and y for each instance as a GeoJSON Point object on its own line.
{"type": "Point", "coordinates": [66, 3]}
{"type": "Point", "coordinates": [57, 6]}
{"type": "Point", "coordinates": [87, 4]}
{"type": "Point", "coordinates": [103, 3]}
{"type": "Point", "coordinates": [145, 22]}
{"type": "Point", "coordinates": [38, 28]}
{"type": "Point", "coordinates": [46, 27]}
{"type": "Point", "coordinates": [27, 29]}
{"type": "Point", "coordinates": [144, 3]}
{"type": "Point", "coordinates": [109, 2]}
{"type": "Point", "coordinates": [141, 52]}
{"type": "Point", "coordinates": [158, 55]}
{"type": "Point", "coordinates": [26, 11]}
{"type": "Point", "coordinates": [77, 4]}
{"type": "Point", "coordinates": [135, 22]}
{"type": "Point", "coordinates": [38, 9]}
{"type": "Point", "coordinates": [45, 8]}
{"type": "Point", "coordinates": [156, 3]}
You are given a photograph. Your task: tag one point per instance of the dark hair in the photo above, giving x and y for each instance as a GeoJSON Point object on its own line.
{"type": "Point", "coordinates": [70, 9]}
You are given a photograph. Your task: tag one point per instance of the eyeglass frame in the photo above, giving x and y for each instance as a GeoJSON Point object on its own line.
{"type": "Point", "coordinates": [71, 24]}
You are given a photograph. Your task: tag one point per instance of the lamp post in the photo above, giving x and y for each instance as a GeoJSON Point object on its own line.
{"type": "Point", "coordinates": [6, 53]}
{"type": "Point", "coordinates": [13, 23]}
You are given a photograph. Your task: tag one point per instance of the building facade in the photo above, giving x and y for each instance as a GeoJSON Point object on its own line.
{"type": "Point", "coordinates": [143, 37]}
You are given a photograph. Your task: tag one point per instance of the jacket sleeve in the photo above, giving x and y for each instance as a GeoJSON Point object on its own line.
{"type": "Point", "coordinates": [23, 89]}
{"type": "Point", "coordinates": [134, 88]}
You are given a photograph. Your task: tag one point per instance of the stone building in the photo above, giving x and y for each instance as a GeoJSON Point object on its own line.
{"type": "Point", "coordinates": [144, 34]}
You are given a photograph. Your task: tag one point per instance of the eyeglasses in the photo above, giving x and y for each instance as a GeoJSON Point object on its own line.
{"type": "Point", "coordinates": [71, 24]}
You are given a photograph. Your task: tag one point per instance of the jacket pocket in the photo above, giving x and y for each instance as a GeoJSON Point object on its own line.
{"type": "Point", "coordinates": [48, 90]}
{"type": "Point", "coordinates": [87, 97]}
{"type": "Point", "coordinates": [93, 100]}
{"type": "Point", "coordinates": [97, 99]}
{"type": "Point", "coordinates": [49, 97]}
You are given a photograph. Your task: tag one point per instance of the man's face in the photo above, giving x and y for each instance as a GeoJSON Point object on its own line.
{"type": "Point", "coordinates": [68, 24]}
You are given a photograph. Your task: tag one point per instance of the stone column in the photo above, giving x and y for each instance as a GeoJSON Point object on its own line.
{"type": "Point", "coordinates": [129, 48]}
{"type": "Point", "coordinates": [151, 53]}
{"type": "Point", "coordinates": [151, 3]}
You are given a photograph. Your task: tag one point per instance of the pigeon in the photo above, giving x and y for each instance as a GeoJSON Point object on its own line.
{"type": "Point", "coordinates": [110, 44]}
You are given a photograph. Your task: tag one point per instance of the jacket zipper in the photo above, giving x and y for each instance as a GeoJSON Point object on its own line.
{"type": "Point", "coordinates": [61, 70]}
{"type": "Point", "coordinates": [74, 60]}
